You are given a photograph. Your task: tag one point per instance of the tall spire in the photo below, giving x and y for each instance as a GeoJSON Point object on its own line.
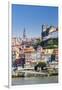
{"type": "Point", "coordinates": [24, 34]}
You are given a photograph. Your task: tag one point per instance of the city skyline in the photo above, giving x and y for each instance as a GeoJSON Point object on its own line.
{"type": "Point", "coordinates": [31, 18]}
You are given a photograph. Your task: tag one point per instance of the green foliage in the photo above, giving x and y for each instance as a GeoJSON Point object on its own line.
{"type": "Point", "coordinates": [38, 42]}
{"type": "Point", "coordinates": [51, 43]}
{"type": "Point", "coordinates": [42, 64]}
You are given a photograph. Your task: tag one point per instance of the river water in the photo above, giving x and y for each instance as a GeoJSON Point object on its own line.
{"type": "Point", "coordinates": [34, 80]}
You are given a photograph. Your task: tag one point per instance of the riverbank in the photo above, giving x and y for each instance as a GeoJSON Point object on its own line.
{"type": "Point", "coordinates": [21, 75]}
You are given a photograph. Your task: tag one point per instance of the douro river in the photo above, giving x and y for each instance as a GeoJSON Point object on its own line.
{"type": "Point", "coordinates": [34, 80]}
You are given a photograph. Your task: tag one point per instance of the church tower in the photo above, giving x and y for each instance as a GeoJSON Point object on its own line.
{"type": "Point", "coordinates": [24, 34]}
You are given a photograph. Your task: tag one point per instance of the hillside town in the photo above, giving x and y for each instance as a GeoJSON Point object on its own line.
{"type": "Point", "coordinates": [38, 55]}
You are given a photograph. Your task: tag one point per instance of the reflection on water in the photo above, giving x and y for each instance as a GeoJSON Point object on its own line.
{"type": "Point", "coordinates": [34, 80]}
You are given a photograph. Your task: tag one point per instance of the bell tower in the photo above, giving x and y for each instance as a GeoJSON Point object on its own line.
{"type": "Point", "coordinates": [24, 34]}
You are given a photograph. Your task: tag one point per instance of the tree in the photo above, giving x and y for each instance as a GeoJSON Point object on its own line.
{"type": "Point", "coordinates": [40, 65]}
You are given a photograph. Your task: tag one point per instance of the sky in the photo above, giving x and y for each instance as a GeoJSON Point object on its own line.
{"type": "Point", "coordinates": [31, 18]}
